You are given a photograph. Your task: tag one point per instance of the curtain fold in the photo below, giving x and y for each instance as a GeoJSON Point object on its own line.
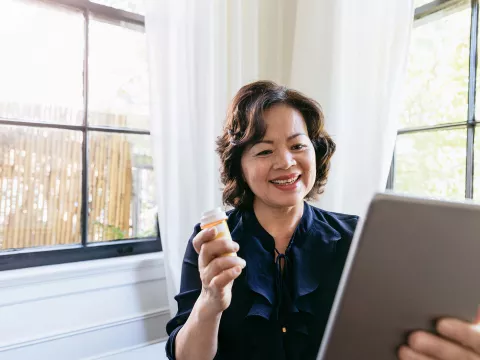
{"type": "Point", "coordinates": [349, 55]}
{"type": "Point", "coordinates": [356, 71]}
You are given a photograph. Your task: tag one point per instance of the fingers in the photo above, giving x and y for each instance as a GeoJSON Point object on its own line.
{"type": "Point", "coordinates": [213, 249]}
{"type": "Point", "coordinates": [460, 332]}
{"type": "Point", "coordinates": [225, 277]}
{"type": "Point", "coordinates": [203, 237]}
{"type": "Point", "coordinates": [405, 353]}
{"type": "Point", "coordinates": [220, 264]}
{"type": "Point", "coordinates": [437, 348]}
{"type": "Point", "coordinates": [461, 341]}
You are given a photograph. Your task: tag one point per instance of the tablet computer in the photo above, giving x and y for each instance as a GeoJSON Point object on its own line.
{"type": "Point", "coordinates": [411, 262]}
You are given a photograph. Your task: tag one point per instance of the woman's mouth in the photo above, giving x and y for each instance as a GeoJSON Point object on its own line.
{"type": "Point", "coordinates": [287, 183]}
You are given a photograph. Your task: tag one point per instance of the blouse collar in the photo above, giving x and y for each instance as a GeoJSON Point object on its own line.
{"type": "Point", "coordinates": [311, 250]}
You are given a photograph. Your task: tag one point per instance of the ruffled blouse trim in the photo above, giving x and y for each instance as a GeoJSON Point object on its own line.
{"type": "Point", "coordinates": [310, 254]}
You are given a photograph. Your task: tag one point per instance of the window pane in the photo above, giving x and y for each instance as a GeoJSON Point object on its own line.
{"type": "Point", "coordinates": [118, 76]}
{"type": "Point", "coordinates": [477, 101]}
{"type": "Point", "coordinates": [41, 64]}
{"type": "Point", "coordinates": [476, 184]}
{"type": "Point", "coordinates": [437, 81]}
{"type": "Point", "coordinates": [40, 193]}
{"type": "Point", "coordinates": [418, 3]}
{"type": "Point", "coordinates": [431, 163]}
{"type": "Point", "coordinates": [135, 6]}
{"type": "Point", "coordinates": [121, 187]}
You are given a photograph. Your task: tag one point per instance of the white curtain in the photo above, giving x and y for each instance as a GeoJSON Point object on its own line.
{"type": "Point", "coordinates": [351, 56]}
{"type": "Point", "coordinates": [202, 51]}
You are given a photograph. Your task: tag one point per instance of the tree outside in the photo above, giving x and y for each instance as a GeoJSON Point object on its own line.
{"type": "Point", "coordinates": [433, 163]}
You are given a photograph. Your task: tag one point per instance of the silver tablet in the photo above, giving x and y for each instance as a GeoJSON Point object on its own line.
{"type": "Point", "coordinates": [411, 262]}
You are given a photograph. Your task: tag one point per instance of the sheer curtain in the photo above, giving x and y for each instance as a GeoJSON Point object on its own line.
{"type": "Point", "coordinates": [348, 56]}
{"type": "Point", "coordinates": [201, 52]}
{"type": "Point", "coordinates": [357, 55]}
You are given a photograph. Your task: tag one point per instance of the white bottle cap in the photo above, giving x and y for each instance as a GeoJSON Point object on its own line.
{"type": "Point", "coordinates": [212, 216]}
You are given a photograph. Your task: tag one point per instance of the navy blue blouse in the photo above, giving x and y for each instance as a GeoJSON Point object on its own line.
{"type": "Point", "coordinates": [274, 314]}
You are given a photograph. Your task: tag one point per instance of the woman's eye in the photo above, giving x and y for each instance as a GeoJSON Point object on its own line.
{"type": "Point", "coordinates": [299, 147]}
{"type": "Point", "coordinates": [264, 152]}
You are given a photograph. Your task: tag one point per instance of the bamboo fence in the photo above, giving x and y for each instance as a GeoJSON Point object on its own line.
{"type": "Point", "coordinates": [41, 186]}
{"type": "Point", "coordinates": [110, 180]}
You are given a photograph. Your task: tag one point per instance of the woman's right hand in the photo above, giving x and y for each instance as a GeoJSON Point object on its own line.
{"type": "Point", "coordinates": [217, 272]}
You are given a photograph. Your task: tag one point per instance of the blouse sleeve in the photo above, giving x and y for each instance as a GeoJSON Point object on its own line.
{"type": "Point", "coordinates": [190, 287]}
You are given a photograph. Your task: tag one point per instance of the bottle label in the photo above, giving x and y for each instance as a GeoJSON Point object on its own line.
{"type": "Point", "coordinates": [223, 231]}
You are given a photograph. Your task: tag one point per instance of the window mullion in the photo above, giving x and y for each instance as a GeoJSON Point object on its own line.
{"type": "Point", "coordinates": [391, 175]}
{"type": "Point", "coordinates": [84, 215]}
{"type": "Point", "coordinates": [472, 85]}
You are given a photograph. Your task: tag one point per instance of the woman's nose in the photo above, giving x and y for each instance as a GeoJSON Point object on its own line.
{"type": "Point", "coordinates": [284, 160]}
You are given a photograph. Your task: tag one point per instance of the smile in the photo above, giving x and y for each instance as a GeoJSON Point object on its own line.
{"type": "Point", "coordinates": [285, 182]}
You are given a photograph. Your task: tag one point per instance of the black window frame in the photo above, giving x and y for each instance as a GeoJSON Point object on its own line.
{"type": "Point", "coordinates": [53, 255]}
{"type": "Point", "coordinates": [426, 13]}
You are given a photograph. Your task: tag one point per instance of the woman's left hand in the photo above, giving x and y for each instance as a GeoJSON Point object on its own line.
{"type": "Point", "coordinates": [457, 340]}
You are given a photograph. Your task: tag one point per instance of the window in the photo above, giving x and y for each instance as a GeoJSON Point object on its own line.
{"type": "Point", "coordinates": [134, 6]}
{"type": "Point", "coordinates": [76, 171]}
{"type": "Point", "coordinates": [436, 144]}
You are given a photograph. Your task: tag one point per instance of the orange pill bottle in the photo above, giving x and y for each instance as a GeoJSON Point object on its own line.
{"type": "Point", "coordinates": [217, 218]}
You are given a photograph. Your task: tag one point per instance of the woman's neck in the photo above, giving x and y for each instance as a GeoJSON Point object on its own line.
{"type": "Point", "coordinates": [279, 222]}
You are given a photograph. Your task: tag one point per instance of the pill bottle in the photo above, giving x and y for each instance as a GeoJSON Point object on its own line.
{"type": "Point", "coordinates": [217, 218]}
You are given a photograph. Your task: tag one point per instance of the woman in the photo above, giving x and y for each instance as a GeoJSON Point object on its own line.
{"type": "Point", "coordinates": [274, 299]}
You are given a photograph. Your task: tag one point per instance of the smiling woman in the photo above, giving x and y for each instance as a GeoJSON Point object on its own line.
{"type": "Point", "coordinates": [272, 300]}
{"type": "Point", "coordinates": [297, 132]}
{"type": "Point", "coordinates": [284, 160]}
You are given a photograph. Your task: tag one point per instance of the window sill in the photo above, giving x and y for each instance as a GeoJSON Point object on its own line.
{"type": "Point", "coordinates": [19, 259]}
{"type": "Point", "coordinates": [150, 264]}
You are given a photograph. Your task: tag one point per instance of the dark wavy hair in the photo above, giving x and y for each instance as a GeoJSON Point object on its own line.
{"type": "Point", "coordinates": [245, 126]}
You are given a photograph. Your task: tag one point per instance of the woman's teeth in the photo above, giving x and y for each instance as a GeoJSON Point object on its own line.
{"type": "Point", "coordinates": [284, 182]}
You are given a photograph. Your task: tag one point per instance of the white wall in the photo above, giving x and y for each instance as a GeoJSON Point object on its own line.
{"type": "Point", "coordinates": [83, 310]}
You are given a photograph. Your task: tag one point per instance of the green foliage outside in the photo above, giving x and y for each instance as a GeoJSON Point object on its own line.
{"type": "Point", "coordinates": [433, 163]}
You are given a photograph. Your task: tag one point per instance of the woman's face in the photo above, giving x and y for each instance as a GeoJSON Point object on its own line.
{"type": "Point", "coordinates": [280, 169]}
